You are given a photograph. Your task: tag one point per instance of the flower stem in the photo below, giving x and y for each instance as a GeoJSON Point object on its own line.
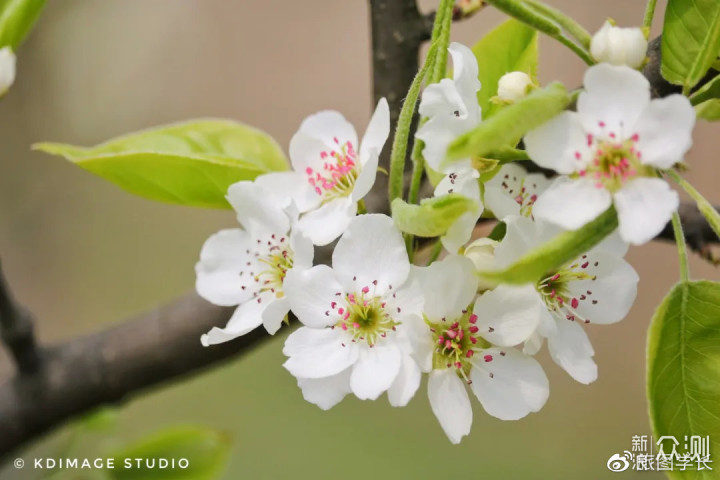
{"type": "Point", "coordinates": [545, 19]}
{"type": "Point", "coordinates": [649, 13]}
{"type": "Point", "coordinates": [402, 131]}
{"type": "Point", "coordinates": [361, 209]}
{"type": "Point", "coordinates": [682, 249]}
{"type": "Point", "coordinates": [568, 23]}
{"type": "Point", "coordinates": [711, 215]}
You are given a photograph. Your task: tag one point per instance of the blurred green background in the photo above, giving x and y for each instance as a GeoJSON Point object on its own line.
{"type": "Point", "coordinates": [82, 254]}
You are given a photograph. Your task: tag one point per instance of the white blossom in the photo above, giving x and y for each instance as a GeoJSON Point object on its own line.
{"type": "Point", "coordinates": [456, 351]}
{"type": "Point", "coordinates": [7, 69]}
{"type": "Point", "coordinates": [332, 172]}
{"type": "Point", "coordinates": [247, 267]}
{"type": "Point", "coordinates": [513, 86]}
{"type": "Point", "coordinates": [452, 109]}
{"type": "Point", "coordinates": [353, 336]}
{"type": "Point", "coordinates": [619, 46]}
{"type": "Point", "coordinates": [463, 181]}
{"type": "Point", "coordinates": [612, 149]}
{"type": "Point", "coordinates": [512, 191]}
{"type": "Point", "coordinates": [597, 287]}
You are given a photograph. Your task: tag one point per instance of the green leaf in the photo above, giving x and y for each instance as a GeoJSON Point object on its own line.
{"type": "Point", "coordinates": [206, 452]}
{"type": "Point", "coordinates": [509, 124]}
{"type": "Point", "coordinates": [433, 216]}
{"type": "Point", "coordinates": [709, 110]}
{"type": "Point", "coordinates": [684, 368]}
{"type": "Point", "coordinates": [690, 40]}
{"type": "Point", "coordinates": [17, 18]}
{"type": "Point", "coordinates": [513, 46]}
{"type": "Point", "coordinates": [190, 163]}
{"type": "Point", "coordinates": [552, 255]}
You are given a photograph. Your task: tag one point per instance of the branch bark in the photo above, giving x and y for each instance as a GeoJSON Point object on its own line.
{"type": "Point", "coordinates": [17, 331]}
{"type": "Point", "coordinates": [109, 366]}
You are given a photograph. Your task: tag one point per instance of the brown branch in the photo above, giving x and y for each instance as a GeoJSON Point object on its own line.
{"type": "Point", "coordinates": [16, 331]}
{"type": "Point", "coordinates": [112, 365]}
{"type": "Point", "coordinates": [108, 366]}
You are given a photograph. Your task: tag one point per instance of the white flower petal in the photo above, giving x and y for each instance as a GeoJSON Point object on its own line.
{"type": "Point", "coordinates": [326, 392]}
{"type": "Point", "coordinates": [448, 287]}
{"type": "Point", "coordinates": [375, 371]}
{"type": "Point", "coordinates": [463, 182]}
{"type": "Point", "coordinates": [518, 384]}
{"type": "Point", "coordinates": [560, 144]}
{"type": "Point", "coordinates": [508, 315]}
{"type": "Point", "coordinates": [311, 294]}
{"type": "Point", "coordinates": [406, 383]}
{"type": "Point", "coordinates": [274, 314]}
{"type": "Point", "coordinates": [303, 251]}
{"type": "Point", "coordinates": [613, 244]}
{"type": "Point", "coordinates": [533, 344]}
{"type": "Point", "coordinates": [442, 100]}
{"type": "Point", "coordinates": [377, 132]}
{"type": "Point", "coordinates": [318, 352]}
{"type": "Point", "coordinates": [521, 235]}
{"type": "Point", "coordinates": [513, 192]}
{"type": "Point", "coordinates": [465, 75]}
{"type": "Point", "coordinates": [258, 210]}
{"type": "Point", "coordinates": [607, 298]}
{"type": "Point", "coordinates": [7, 69]}
{"type": "Point", "coordinates": [571, 349]}
{"type": "Point", "coordinates": [330, 127]}
{"type": "Point", "coordinates": [366, 177]}
{"type": "Point", "coordinates": [371, 253]}
{"type": "Point", "coordinates": [450, 403]}
{"type": "Point", "coordinates": [246, 318]}
{"type": "Point", "coordinates": [328, 222]}
{"type": "Point", "coordinates": [664, 131]}
{"type": "Point", "coordinates": [420, 339]}
{"type": "Point", "coordinates": [572, 203]}
{"type": "Point", "coordinates": [613, 100]}
{"type": "Point", "coordinates": [222, 258]}
{"type": "Point", "coordinates": [644, 206]}
{"type": "Point", "coordinates": [290, 186]}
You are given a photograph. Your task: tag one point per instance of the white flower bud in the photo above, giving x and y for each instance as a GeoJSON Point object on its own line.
{"type": "Point", "coordinates": [7, 69]}
{"type": "Point", "coordinates": [482, 254]}
{"type": "Point", "coordinates": [513, 86]}
{"type": "Point", "coordinates": [619, 46]}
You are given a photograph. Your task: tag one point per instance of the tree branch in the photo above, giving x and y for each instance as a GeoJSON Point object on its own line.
{"type": "Point", "coordinates": [109, 366]}
{"type": "Point", "coordinates": [16, 331]}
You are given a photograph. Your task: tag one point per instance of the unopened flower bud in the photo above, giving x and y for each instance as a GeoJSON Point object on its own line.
{"type": "Point", "coordinates": [619, 46]}
{"type": "Point", "coordinates": [7, 69]}
{"type": "Point", "coordinates": [513, 86]}
{"type": "Point", "coordinates": [482, 254]}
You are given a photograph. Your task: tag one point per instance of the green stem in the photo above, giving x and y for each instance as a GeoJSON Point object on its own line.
{"type": "Point", "coordinates": [579, 51]}
{"type": "Point", "coordinates": [540, 17]}
{"type": "Point", "coordinates": [711, 215]}
{"type": "Point", "coordinates": [682, 248]}
{"type": "Point", "coordinates": [649, 13]}
{"type": "Point", "coordinates": [402, 132]}
{"type": "Point", "coordinates": [569, 24]}
{"type": "Point", "coordinates": [361, 209]}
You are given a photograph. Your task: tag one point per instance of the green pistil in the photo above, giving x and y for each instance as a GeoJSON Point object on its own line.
{"type": "Point", "coordinates": [366, 319]}
{"type": "Point", "coordinates": [613, 164]}
{"type": "Point", "coordinates": [456, 343]}
{"type": "Point", "coordinates": [272, 278]}
{"type": "Point", "coordinates": [555, 292]}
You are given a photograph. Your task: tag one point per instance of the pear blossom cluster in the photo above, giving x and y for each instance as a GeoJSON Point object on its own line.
{"type": "Point", "coordinates": [373, 323]}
